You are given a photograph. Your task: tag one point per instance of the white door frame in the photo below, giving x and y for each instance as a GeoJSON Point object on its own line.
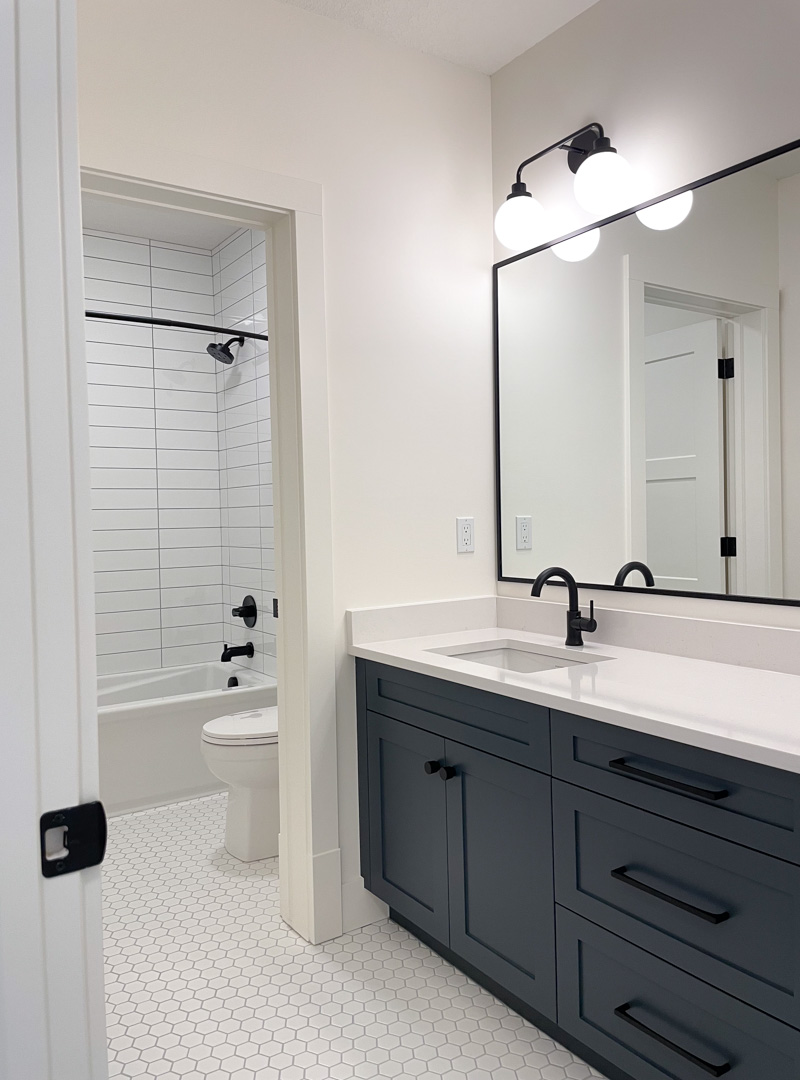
{"type": "Point", "coordinates": [52, 1015]}
{"type": "Point", "coordinates": [290, 211]}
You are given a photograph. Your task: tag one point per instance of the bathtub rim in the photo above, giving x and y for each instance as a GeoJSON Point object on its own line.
{"type": "Point", "coordinates": [115, 711]}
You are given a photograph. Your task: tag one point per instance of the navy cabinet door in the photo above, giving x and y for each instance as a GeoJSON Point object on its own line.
{"type": "Point", "coordinates": [408, 823]}
{"type": "Point", "coordinates": [501, 873]}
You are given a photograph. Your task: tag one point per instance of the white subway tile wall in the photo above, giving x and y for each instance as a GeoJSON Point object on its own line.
{"type": "Point", "coordinates": [245, 445]}
{"type": "Point", "coordinates": [180, 453]}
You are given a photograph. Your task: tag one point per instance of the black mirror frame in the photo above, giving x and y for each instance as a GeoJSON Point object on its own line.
{"type": "Point", "coordinates": [740, 167]}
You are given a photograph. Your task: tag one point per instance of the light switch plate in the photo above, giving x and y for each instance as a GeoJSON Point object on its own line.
{"type": "Point", "coordinates": [524, 530]}
{"type": "Point", "coordinates": [465, 534]}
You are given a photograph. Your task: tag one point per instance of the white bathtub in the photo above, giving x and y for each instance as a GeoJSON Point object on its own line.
{"type": "Point", "coordinates": [150, 724]}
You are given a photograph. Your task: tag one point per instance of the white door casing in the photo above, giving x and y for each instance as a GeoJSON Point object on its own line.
{"type": "Point", "coordinates": [289, 210]}
{"type": "Point", "coordinates": [51, 981]}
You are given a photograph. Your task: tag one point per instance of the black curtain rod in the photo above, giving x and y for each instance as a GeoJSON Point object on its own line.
{"type": "Point", "coordinates": [174, 323]}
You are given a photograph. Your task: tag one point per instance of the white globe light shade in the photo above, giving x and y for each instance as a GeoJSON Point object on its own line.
{"type": "Point", "coordinates": [579, 247]}
{"type": "Point", "coordinates": [667, 214]}
{"type": "Point", "coordinates": [520, 223]}
{"type": "Point", "coordinates": [604, 184]}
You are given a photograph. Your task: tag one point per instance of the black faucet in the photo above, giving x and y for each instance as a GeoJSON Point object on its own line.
{"type": "Point", "coordinates": [575, 622]}
{"type": "Point", "coordinates": [629, 567]}
{"type": "Point", "coordinates": [230, 651]}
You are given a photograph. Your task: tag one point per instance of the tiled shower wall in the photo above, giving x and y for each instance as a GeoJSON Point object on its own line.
{"type": "Point", "coordinates": [245, 441]}
{"type": "Point", "coordinates": [158, 419]}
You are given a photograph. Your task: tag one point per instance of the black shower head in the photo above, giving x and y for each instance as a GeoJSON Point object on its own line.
{"type": "Point", "coordinates": [223, 352]}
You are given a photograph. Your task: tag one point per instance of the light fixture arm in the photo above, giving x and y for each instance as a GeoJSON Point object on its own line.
{"type": "Point", "coordinates": [564, 144]}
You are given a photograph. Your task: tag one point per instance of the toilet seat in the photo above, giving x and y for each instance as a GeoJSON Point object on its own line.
{"type": "Point", "coordinates": [257, 727]}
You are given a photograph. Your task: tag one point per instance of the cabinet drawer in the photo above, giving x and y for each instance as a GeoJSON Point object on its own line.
{"type": "Point", "coordinates": [748, 803]}
{"type": "Point", "coordinates": [722, 912]}
{"type": "Point", "coordinates": [656, 1022]}
{"type": "Point", "coordinates": [511, 729]}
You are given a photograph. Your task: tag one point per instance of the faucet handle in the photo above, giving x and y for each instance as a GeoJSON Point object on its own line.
{"type": "Point", "coordinates": [590, 624]}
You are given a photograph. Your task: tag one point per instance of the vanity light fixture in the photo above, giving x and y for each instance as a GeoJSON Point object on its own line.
{"type": "Point", "coordinates": [604, 181]}
{"type": "Point", "coordinates": [603, 185]}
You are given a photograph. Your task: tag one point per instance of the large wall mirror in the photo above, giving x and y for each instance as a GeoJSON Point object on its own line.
{"type": "Point", "coordinates": [621, 434]}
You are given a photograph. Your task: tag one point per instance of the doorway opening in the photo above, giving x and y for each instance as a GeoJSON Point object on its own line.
{"type": "Point", "coordinates": [182, 495]}
{"type": "Point", "coordinates": [288, 212]}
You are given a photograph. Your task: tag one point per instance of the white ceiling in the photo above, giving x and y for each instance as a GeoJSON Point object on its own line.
{"type": "Point", "coordinates": [108, 214]}
{"type": "Point", "coordinates": [480, 34]}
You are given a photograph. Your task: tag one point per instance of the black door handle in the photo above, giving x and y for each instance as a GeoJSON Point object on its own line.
{"type": "Point", "coordinates": [447, 772]}
{"type": "Point", "coordinates": [432, 767]}
{"type": "Point", "coordinates": [621, 765]}
{"type": "Point", "coordinates": [621, 874]}
{"type": "Point", "coordinates": [623, 1012]}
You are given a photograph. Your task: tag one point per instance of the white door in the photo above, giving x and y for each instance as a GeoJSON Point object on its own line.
{"type": "Point", "coordinates": [684, 468]}
{"type": "Point", "coordinates": [51, 989]}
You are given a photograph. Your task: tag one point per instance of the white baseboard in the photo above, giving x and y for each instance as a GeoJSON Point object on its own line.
{"type": "Point", "coordinates": [359, 907]}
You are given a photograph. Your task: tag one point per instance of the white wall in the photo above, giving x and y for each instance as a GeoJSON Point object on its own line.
{"type": "Point", "coordinates": [401, 144]}
{"type": "Point", "coordinates": [683, 89]}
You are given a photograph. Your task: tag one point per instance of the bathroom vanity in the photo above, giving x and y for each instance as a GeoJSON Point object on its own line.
{"type": "Point", "coordinates": [636, 897]}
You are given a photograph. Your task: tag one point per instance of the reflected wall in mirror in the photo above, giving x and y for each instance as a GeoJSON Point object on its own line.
{"type": "Point", "coordinates": [621, 433]}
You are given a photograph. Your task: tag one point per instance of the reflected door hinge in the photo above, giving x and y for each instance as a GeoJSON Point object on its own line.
{"type": "Point", "coordinates": [727, 547]}
{"type": "Point", "coordinates": [72, 838]}
{"type": "Point", "coordinates": [725, 367]}
{"type": "Point", "coordinates": [275, 607]}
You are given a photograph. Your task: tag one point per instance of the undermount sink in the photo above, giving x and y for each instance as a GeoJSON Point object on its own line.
{"type": "Point", "coordinates": [515, 655]}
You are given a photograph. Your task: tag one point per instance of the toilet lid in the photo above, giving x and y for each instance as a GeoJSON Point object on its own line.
{"type": "Point", "coordinates": [256, 724]}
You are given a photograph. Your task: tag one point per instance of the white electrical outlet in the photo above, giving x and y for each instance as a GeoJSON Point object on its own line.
{"type": "Point", "coordinates": [465, 534]}
{"type": "Point", "coordinates": [524, 529]}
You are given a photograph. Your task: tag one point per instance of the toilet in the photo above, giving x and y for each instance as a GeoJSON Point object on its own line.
{"type": "Point", "coordinates": [241, 749]}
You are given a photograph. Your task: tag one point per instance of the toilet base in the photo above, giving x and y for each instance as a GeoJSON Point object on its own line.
{"type": "Point", "coordinates": [251, 828]}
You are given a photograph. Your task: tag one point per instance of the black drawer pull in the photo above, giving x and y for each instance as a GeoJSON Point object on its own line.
{"type": "Point", "coordinates": [447, 772]}
{"type": "Point", "coordinates": [622, 1011]}
{"type": "Point", "coordinates": [621, 765]}
{"type": "Point", "coordinates": [432, 767]}
{"type": "Point", "coordinates": [621, 874]}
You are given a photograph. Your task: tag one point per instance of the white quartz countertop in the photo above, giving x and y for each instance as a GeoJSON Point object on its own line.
{"type": "Point", "coordinates": [746, 712]}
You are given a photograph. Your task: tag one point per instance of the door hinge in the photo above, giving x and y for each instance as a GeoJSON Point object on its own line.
{"type": "Point", "coordinates": [725, 367]}
{"type": "Point", "coordinates": [727, 547]}
{"type": "Point", "coordinates": [275, 607]}
{"type": "Point", "coordinates": [73, 838]}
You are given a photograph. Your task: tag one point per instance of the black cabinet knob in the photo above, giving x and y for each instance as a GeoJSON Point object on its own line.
{"type": "Point", "coordinates": [432, 767]}
{"type": "Point", "coordinates": [447, 772]}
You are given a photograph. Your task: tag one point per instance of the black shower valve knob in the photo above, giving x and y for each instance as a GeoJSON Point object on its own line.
{"type": "Point", "coordinates": [247, 610]}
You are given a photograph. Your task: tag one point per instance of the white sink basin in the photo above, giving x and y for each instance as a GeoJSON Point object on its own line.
{"type": "Point", "coordinates": [512, 655]}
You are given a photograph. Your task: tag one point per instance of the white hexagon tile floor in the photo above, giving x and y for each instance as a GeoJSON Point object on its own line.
{"type": "Point", "coordinates": [205, 982]}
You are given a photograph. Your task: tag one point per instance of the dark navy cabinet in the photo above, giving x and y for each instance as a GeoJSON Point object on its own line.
{"type": "Point", "coordinates": [637, 898]}
{"type": "Point", "coordinates": [407, 823]}
{"type": "Point", "coordinates": [655, 1021]}
{"type": "Point", "coordinates": [718, 910]}
{"type": "Point", "coordinates": [501, 870]}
